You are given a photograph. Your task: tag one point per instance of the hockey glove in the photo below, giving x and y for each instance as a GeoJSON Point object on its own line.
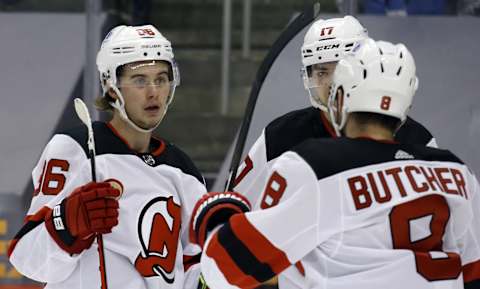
{"type": "Point", "coordinates": [214, 209]}
{"type": "Point", "coordinates": [88, 210]}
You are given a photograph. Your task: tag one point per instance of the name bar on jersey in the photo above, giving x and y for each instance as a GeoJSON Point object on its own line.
{"type": "Point", "coordinates": [379, 186]}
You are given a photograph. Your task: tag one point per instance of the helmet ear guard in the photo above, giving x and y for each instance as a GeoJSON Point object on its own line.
{"type": "Point", "coordinates": [378, 78]}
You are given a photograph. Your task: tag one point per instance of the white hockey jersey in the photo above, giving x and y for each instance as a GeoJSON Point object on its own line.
{"type": "Point", "coordinates": [148, 249]}
{"type": "Point", "coordinates": [281, 135]}
{"type": "Point", "coordinates": [357, 213]}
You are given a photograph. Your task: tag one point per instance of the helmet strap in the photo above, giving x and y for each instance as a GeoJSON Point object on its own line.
{"type": "Point", "coordinates": [313, 100]}
{"type": "Point", "coordinates": [316, 103]}
{"type": "Point", "coordinates": [119, 105]}
{"type": "Point", "coordinates": [337, 127]}
{"type": "Point", "coordinates": [342, 113]}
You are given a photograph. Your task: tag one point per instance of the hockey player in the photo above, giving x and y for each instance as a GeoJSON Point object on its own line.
{"type": "Point", "coordinates": [325, 43]}
{"type": "Point", "coordinates": [362, 210]}
{"type": "Point", "coordinates": [146, 191]}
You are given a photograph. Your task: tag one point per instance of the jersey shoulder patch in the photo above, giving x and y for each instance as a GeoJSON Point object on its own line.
{"type": "Point", "coordinates": [328, 157]}
{"type": "Point", "coordinates": [291, 129]}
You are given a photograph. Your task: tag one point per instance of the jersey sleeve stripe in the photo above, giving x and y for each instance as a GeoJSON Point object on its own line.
{"type": "Point", "coordinates": [232, 273]}
{"type": "Point", "coordinates": [256, 243]}
{"type": "Point", "coordinates": [471, 271]}
{"type": "Point", "coordinates": [242, 256]}
{"type": "Point", "coordinates": [38, 216]}
{"type": "Point", "coordinates": [31, 222]}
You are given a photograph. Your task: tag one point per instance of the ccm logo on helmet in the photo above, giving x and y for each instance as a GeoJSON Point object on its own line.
{"type": "Point", "coordinates": [327, 47]}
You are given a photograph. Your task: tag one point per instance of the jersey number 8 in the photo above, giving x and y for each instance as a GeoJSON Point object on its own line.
{"type": "Point", "coordinates": [431, 262]}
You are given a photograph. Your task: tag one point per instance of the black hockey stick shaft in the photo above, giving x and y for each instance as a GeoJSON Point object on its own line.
{"type": "Point", "coordinates": [241, 139]}
{"type": "Point", "coordinates": [92, 165]}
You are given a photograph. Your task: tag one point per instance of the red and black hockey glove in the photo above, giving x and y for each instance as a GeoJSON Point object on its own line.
{"type": "Point", "coordinates": [88, 210]}
{"type": "Point", "coordinates": [214, 209]}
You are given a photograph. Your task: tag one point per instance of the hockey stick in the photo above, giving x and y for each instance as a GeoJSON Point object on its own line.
{"type": "Point", "coordinates": [82, 112]}
{"type": "Point", "coordinates": [293, 29]}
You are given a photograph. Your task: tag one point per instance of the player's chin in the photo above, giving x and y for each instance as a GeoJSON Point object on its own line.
{"type": "Point", "coordinates": [151, 122]}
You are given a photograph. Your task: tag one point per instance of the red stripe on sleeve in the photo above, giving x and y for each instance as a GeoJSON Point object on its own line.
{"type": "Point", "coordinates": [471, 271]}
{"type": "Point", "coordinates": [11, 247]}
{"type": "Point", "coordinates": [227, 266]}
{"type": "Point", "coordinates": [38, 217]}
{"type": "Point", "coordinates": [260, 246]}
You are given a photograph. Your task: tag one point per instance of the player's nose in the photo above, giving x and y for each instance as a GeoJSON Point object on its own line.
{"type": "Point", "coordinates": [153, 91]}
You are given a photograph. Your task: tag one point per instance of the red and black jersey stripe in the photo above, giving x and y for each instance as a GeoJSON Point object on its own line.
{"type": "Point", "coordinates": [244, 255]}
{"type": "Point", "coordinates": [31, 222]}
{"type": "Point", "coordinates": [471, 275]}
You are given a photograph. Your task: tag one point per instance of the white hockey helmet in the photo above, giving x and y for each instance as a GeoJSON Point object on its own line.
{"type": "Point", "coordinates": [379, 77]}
{"type": "Point", "coordinates": [128, 44]}
{"type": "Point", "coordinates": [329, 41]}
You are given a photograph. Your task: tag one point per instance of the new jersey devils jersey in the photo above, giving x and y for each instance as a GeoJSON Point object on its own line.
{"type": "Point", "coordinates": [357, 213]}
{"type": "Point", "coordinates": [283, 134]}
{"type": "Point", "coordinates": [148, 247]}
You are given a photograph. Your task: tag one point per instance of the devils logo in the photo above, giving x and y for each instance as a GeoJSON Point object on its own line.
{"type": "Point", "coordinates": [159, 225]}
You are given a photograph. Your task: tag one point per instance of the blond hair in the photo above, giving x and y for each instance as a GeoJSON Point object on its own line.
{"type": "Point", "coordinates": [102, 103]}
